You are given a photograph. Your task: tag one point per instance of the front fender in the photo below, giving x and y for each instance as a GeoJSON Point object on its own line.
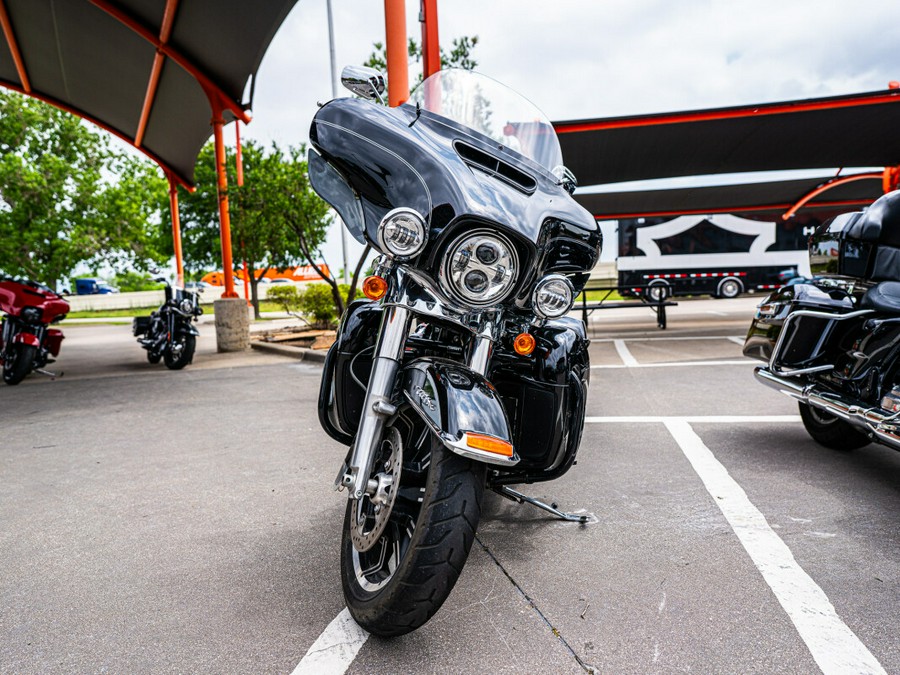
{"type": "Point", "coordinates": [186, 328]}
{"type": "Point", "coordinates": [461, 407]}
{"type": "Point", "coordinates": [27, 339]}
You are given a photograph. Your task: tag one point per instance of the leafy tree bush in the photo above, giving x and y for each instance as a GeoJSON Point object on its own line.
{"type": "Point", "coordinates": [128, 282]}
{"type": "Point", "coordinates": [287, 296]}
{"type": "Point", "coordinates": [317, 302]}
{"type": "Point", "coordinates": [68, 197]}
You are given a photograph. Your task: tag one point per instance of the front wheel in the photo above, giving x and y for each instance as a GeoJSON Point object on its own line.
{"type": "Point", "coordinates": [729, 288]}
{"type": "Point", "coordinates": [831, 431]}
{"type": "Point", "coordinates": [407, 573]}
{"type": "Point", "coordinates": [17, 367]}
{"type": "Point", "coordinates": [176, 360]}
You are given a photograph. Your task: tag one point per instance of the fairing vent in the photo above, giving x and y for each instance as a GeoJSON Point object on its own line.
{"type": "Point", "coordinates": [477, 159]}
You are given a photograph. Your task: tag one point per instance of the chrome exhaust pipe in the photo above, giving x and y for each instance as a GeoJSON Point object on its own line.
{"type": "Point", "coordinates": [870, 419]}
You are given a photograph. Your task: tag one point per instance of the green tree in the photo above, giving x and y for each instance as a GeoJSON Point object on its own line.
{"type": "Point", "coordinates": [460, 56]}
{"type": "Point", "coordinates": [67, 198]}
{"type": "Point", "coordinates": [276, 218]}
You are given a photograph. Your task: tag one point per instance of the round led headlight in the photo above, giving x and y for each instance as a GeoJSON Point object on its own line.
{"type": "Point", "coordinates": [402, 233]}
{"type": "Point", "coordinates": [480, 268]}
{"type": "Point", "coordinates": [187, 306]}
{"type": "Point", "coordinates": [552, 296]}
{"type": "Point", "coordinates": [31, 314]}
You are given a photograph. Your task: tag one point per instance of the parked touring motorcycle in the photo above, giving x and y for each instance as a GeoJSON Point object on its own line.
{"type": "Point", "coordinates": [26, 340]}
{"type": "Point", "coordinates": [168, 333]}
{"type": "Point", "coordinates": [834, 344]}
{"type": "Point", "coordinates": [464, 373]}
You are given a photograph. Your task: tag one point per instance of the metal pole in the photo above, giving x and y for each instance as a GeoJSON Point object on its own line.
{"type": "Point", "coordinates": [334, 93]}
{"type": "Point", "coordinates": [431, 50]}
{"type": "Point", "coordinates": [224, 216]}
{"type": "Point", "coordinates": [176, 228]}
{"type": "Point", "coordinates": [396, 48]}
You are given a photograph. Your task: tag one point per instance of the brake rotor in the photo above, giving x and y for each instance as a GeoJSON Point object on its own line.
{"type": "Point", "coordinates": [370, 514]}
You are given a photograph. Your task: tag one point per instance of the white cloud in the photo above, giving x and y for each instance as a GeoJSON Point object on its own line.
{"type": "Point", "coordinates": [602, 58]}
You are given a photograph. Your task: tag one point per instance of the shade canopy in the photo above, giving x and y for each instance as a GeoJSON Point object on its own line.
{"type": "Point", "coordinates": [770, 199]}
{"type": "Point", "coordinates": [858, 130]}
{"type": "Point", "coordinates": [153, 72]}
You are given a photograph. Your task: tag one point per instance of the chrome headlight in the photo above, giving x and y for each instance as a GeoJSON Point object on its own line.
{"type": "Point", "coordinates": [32, 314]}
{"type": "Point", "coordinates": [187, 306]}
{"type": "Point", "coordinates": [552, 296]}
{"type": "Point", "coordinates": [480, 268]}
{"type": "Point", "coordinates": [402, 233]}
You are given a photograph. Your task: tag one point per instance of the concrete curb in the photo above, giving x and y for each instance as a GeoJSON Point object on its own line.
{"type": "Point", "coordinates": [301, 353]}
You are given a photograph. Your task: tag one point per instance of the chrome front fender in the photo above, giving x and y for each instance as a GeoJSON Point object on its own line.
{"type": "Point", "coordinates": [461, 407]}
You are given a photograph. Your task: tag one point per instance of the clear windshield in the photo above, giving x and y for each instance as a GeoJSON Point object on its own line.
{"type": "Point", "coordinates": [492, 109]}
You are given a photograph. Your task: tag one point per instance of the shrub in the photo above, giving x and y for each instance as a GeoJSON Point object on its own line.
{"type": "Point", "coordinates": [317, 303]}
{"type": "Point", "coordinates": [285, 295]}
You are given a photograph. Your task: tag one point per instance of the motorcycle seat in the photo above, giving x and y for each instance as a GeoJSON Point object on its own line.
{"type": "Point", "coordinates": [885, 297]}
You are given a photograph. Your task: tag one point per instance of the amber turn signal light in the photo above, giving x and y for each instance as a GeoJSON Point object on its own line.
{"type": "Point", "coordinates": [524, 344]}
{"type": "Point", "coordinates": [374, 288]}
{"type": "Point", "coordinates": [489, 444]}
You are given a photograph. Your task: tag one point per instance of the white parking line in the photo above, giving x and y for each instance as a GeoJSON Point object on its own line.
{"type": "Point", "coordinates": [695, 419]}
{"type": "Point", "coordinates": [628, 361]}
{"type": "Point", "coordinates": [835, 648]}
{"type": "Point", "coordinates": [334, 650]}
{"type": "Point", "coordinates": [670, 338]}
{"type": "Point", "coordinates": [673, 364]}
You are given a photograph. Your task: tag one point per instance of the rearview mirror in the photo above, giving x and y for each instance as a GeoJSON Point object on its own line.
{"type": "Point", "coordinates": [364, 81]}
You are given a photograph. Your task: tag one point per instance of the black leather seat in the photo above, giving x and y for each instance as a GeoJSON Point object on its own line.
{"type": "Point", "coordinates": [880, 225]}
{"type": "Point", "coordinates": [885, 297]}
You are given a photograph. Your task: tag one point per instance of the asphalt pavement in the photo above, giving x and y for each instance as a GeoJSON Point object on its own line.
{"type": "Point", "coordinates": [158, 521]}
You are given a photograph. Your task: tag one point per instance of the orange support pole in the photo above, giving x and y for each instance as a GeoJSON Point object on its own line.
{"type": "Point", "coordinates": [431, 48]}
{"type": "Point", "coordinates": [238, 155]}
{"type": "Point", "coordinates": [396, 48]}
{"type": "Point", "coordinates": [224, 217]}
{"type": "Point", "coordinates": [827, 185]}
{"type": "Point", "coordinates": [890, 179]}
{"type": "Point", "coordinates": [176, 228]}
{"type": "Point", "coordinates": [13, 44]}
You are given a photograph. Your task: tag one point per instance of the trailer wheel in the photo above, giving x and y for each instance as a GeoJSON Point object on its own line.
{"type": "Point", "coordinates": [658, 291]}
{"type": "Point", "coordinates": [729, 288]}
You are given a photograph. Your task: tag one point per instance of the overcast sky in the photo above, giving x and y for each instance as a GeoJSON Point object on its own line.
{"type": "Point", "coordinates": [601, 58]}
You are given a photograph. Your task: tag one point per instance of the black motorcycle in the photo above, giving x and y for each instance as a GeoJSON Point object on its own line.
{"type": "Point", "coordinates": [834, 344]}
{"type": "Point", "coordinates": [462, 371]}
{"type": "Point", "coordinates": [168, 334]}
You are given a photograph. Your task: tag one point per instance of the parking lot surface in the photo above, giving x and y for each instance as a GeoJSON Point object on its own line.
{"type": "Point", "coordinates": [158, 521]}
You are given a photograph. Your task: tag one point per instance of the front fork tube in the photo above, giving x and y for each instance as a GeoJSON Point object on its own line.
{"type": "Point", "coordinates": [377, 407]}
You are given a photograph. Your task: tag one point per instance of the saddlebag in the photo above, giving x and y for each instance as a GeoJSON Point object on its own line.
{"type": "Point", "coordinates": [804, 345]}
{"type": "Point", "coordinates": [53, 339]}
{"type": "Point", "coordinates": [140, 325]}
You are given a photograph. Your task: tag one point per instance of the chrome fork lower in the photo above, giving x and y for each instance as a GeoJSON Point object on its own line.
{"type": "Point", "coordinates": [377, 407]}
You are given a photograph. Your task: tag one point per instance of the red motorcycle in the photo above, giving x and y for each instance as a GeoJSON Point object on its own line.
{"type": "Point", "coordinates": [26, 340]}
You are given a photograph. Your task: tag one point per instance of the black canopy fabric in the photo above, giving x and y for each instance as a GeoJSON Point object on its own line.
{"type": "Point", "coordinates": [95, 58]}
{"type": "Point", "coordinates": [858, 130]}
{"type": "Point", "coordinates": [766, 199]}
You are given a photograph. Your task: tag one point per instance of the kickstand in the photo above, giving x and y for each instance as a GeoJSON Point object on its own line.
{"type": "Point", "coordinates": [519, 498]}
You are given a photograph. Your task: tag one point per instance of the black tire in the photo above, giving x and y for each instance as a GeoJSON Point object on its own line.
{"type": "Point", "coordinates": [154, 358]}
{"type": "Point", "coordinates": [657, 292]}
{"type": "Point", "coordinates": [22, 363]}
{"type": "Point", "coordinates": [831, 431]}
{"type": "Point", "coordinates": [184, 357]}
{"type": "Point", "coordinates": [431, 538]}
{"type": "Point", "coordinates": [729, 288]}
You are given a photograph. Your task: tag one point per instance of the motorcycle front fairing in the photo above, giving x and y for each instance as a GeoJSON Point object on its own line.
{"type": "Point", "coordinates": [454, 177]}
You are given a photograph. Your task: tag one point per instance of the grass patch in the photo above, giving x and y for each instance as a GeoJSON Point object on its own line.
{"type": "Point", "coordinates": [264, 306]}
{"type": "Point", "coordinates": [110, 313]}
{"type": "Point", "coordinates": [597, 296]}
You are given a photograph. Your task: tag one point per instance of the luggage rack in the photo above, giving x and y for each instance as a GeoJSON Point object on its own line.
{"type": "Point", "coordinates": [643, 299]}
